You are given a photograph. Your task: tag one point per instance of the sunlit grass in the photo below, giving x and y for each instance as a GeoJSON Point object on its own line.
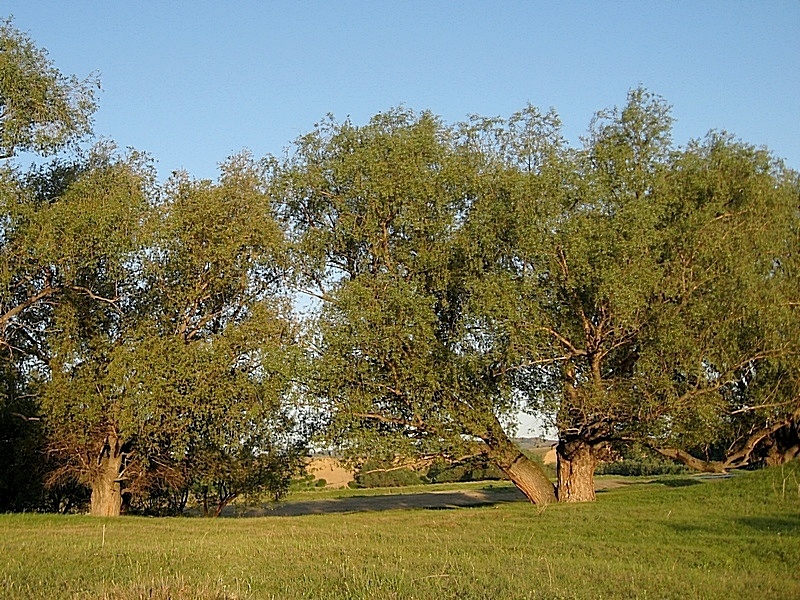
{"type": "Point", "coordinates": [679, 538]}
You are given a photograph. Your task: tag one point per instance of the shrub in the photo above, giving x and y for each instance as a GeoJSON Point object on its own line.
{"type": "Point", "coordinates": [641, 468]}
{"type": "Point", "coordinates": [474, 469]}
{"type": "Point", "coordinates": [373, 474]}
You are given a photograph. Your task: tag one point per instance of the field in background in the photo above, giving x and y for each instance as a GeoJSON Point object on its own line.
{"type": "Point", "coordinates": [674, 537]}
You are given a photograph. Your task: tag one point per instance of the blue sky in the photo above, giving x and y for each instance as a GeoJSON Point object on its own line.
{"type": "Point", "coordinates": [193, 82]}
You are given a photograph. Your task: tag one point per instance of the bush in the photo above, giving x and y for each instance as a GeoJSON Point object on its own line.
{"type": "Point", "coordinates": [474, 469]}
{"type": "Point", "coordinates": [641, 468]}
{"type": "Point", "coordinates": [373, 474]}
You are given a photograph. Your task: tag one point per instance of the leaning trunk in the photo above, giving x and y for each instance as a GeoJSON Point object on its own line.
{"type": "Point", "coordinates": [106, 484]}
{"type": "Point", "coordinates": [527, 475]}
{"type": "Point", "coordinates": [576, 464]}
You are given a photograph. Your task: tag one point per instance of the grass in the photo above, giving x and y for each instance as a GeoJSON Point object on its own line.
{"type": "Point", "coordinates": [680, 537]}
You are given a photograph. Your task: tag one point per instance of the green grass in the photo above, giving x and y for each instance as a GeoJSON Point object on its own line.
{"type": "Point", "coordinates": [681, 538]}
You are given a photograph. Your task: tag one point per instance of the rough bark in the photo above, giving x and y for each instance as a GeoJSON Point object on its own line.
{"type": "Point", "coordinates": [783, 447]}
{"type": "Point", "coordinates": [694, 463]}
{"type": "Point", "coordinates": [527, 475]}
{"type": "Point", "coordinates": [106, 483]}
{"type": "Point", "coordinates": [576, 464]}
{"type": "Point", "coordinates": [774, 444]}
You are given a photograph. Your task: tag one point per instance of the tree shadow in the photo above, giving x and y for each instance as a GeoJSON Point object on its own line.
{"type": "Point", "coordinates": [784, 524]}
{"type": "Point", "coordinates": [683, 482]}
{"type": "Point", "coordinates": [425, 500]}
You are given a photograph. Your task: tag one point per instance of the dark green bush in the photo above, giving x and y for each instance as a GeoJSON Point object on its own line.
{"type": "Point", "coordinates": [641, 468]}
{"type": "Point", "coordinates": [373, 474]}
{"type": "Point", "coordinates": [475, 469]}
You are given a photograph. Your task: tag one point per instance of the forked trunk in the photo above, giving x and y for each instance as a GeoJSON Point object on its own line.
{"type": "Point", "coordinates": [527, 475]}
{"type": "Point", "coordinates": [106, 484]}
{"type": "Point", "coordinates": [784, 445]}
{"type": "Point", "coordinates": [576, 464]}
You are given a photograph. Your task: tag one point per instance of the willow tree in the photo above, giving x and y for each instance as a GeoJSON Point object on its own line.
{"type": "Point", "coordinates": [218, 294]}
{"type": "Point", "coordinates": [729, 393]}
{"type": "Point", "coordinates": [41, 112]}
{"type": "Point", "coordinates": [635, 285]}
{"type": "Point", "coordinates": [192, 361]}
{"type": "Point", "coordinates": [378, 213]}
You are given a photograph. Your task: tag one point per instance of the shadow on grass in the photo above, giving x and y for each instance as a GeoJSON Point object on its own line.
{"type": "Point", "coordinates": [683, 482]}
{"type": "Point", "coordinates": [423, 500]}
{"type": "Point", "coordinates": [784, 524]}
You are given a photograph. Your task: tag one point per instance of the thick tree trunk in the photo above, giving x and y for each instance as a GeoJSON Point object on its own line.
{"type": "Point", "coordinates": [106, 484]}
{"type": "Point", "coordinates": [576, 464]}
{"type": "Point", "coordinates": [523, 472]}
{"type": "Point", "coordinates": [784, 444]}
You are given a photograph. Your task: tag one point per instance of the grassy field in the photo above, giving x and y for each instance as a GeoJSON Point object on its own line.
{"type": "Point", "coordinates": [675, 537]}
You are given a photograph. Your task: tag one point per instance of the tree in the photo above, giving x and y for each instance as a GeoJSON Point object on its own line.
{"type": "Point", "coordinates": [187, 377]}
{"type": "Point", "coordinates": [377, 213]}
{"type": "Point", "coordinates": [624, 291]}
{"type": "Point", "coordinates": [745, 331]}
{"type": "Point", "coordinates": [41, 111]}
{"type": "Point", "coordinates": [639, 282]}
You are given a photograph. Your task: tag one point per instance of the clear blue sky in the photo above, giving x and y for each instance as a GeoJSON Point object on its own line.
{"type": "Point", "coordinates": [194, 81]}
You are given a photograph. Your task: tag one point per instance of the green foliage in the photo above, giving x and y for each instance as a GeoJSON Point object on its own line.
{"type": "Point", "coordinates": [467, 470]}
{"type": "Point", "coordinates": [374, 474]}
{"type": "Point", "coordinates": [190, 367]}
{"type": "Point", "coordinates": [41, 110]}
{"type": "Point", "coordinates": [377, 213]}
{"type": "Point", "coordinates": [640, 468]}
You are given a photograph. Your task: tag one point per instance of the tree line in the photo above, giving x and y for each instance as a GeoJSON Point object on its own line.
{"type": "Point", "coordinates": [396, 290]}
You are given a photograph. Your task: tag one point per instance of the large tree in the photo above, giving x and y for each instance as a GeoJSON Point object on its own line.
{"type": "Point", "coordinates": [378, 213]}
{"type": "Point", "coordinates": [41, 112]}
{"type": "Point", "coordinates": [188, 375]}
{"type": "Point", "coordinates": [642, 283]}
{"type": "Point", "coordinates": [623, 290]}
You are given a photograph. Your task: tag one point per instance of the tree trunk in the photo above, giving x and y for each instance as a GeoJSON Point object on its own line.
{"type": "Point", "coordinates": [106, 484]}
{"type": "Point", "coordinates": [523, 472]}
{"type": "Point", "coordinates": [576, 464]}
{"type": "Point", "coordinates": [694, 463]}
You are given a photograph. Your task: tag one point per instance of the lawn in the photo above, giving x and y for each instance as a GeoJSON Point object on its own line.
{"type": "Point", "coordinates": [679, 537]}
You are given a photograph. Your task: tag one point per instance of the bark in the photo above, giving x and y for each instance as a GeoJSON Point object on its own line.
{"type": "Point", "coordinates": [106, 483]}
{"type": "Point", "coordinates": [784, 445]}
{"type": "Point", "coordinates": [694, 463]}
{"type": "Point", "coordinates": [527, 475]}
{"type": "Point", "coordinates": [775, 444]}
{"type": "Point", "coordinates": [576, 464]}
